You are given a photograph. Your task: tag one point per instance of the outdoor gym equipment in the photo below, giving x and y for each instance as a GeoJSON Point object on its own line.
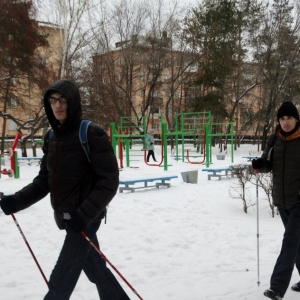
{"type": "Point", "coordinates": [221, 130]}
{"type": "Point", "coordinates": [162, 157]}
{"type": "Point", "coordinates": [196, 162]}
{"type": "Point", "coordinates": [14, 164]}
{"type": "Point", "coordinates": [130, 130]}
{"type": "Point", "coordinates": [196, 127]}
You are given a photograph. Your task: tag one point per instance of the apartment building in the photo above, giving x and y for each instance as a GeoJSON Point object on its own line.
{"type": "Point", "coordinates": [24, 94]}
{"type": "Point", "coordinates": [143, 77]}
{"type": "Point", "coordinates": [146, 77]}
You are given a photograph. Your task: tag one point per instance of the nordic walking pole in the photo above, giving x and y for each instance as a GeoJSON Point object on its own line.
{"type": "Point", "coordinates": [27, 244]}
{"type": "Point", "coordinates": [257, 226]}
{"type": "Point", "coordinates": [105, 258]}
{"type": "Point", "coordinates": [29, 248]}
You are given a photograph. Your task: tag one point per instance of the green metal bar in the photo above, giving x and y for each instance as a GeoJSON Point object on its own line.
{"type": "Point", "coordinates": [17, 167]}
{"type": "Point", "coordinates": [127, 146]}
{"type": "Point", "coordinates": [182, 135]}
{"type": "Point", "coordinates": [113, 137]}
{"type": "Point", "coordinates": [165, 145]}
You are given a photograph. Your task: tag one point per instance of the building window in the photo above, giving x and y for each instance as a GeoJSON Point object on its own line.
{"type": "Point", "coordinates": [121, 61]}
{"type": "Point", "coordinates": [12, 102]}
{"type": "Point", "coordinates": [193, 68]}
{"type": "Point", "coordinates": [177, 96]}
{"type": "Point", "coordinates": [156, 126]}
{"type": "Point", "coordinates": [154, 110]}
{"type": "Point", "coordinates": [156, 93]}
{"type": "Point", "coordinates": [43, 61]}
{"type": "Point", "coordinates": [11, 125]}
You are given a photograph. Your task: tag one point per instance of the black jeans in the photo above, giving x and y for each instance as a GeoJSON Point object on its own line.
{"type": "Point", "coordinates": [290, 251]}
{"type": "Point", "coordinates": [151, 153]}
{"type": "Point", "coordinates": [77, 255]}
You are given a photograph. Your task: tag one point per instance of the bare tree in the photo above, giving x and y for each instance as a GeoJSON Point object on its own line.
{"type": "Point", "coordinates": [71, 18]}
{"type": "Point", "coordinates": [20, 63]}
{"type": "Point", "coordinates": [145, 72]}
{"type": "Point", "coordinates": [277, 55]}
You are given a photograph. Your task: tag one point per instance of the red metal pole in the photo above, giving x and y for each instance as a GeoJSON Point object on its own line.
{"type": "Point", "coordinates": [29, 248]}
{"type": "Point", "coordinates": [105, 258]}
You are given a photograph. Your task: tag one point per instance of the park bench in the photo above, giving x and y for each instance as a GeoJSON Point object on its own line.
{"type": "Point", "coordinates": [29, 160]}
{"type": "Point", "coordinates": [130, 185]}
{"type": "Point", "coordinates": [249, 158]}
{"type": "Point", "coordinates": [219, 173]}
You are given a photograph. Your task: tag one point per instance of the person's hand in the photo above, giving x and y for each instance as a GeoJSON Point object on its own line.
{"type": "Point", "coordinates": [257, 163]}
{"type": "Point", "coordinates": [8, 205]}
{"type": "Point", "coordinates": [75, 223]}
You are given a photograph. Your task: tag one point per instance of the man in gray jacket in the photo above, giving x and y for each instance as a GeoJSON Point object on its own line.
{"type": "Point", "coordinates": [150, 144]}
{"type": "Point", "coordinates": [79, 191]}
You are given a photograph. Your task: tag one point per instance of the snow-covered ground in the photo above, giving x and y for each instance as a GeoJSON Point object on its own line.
{"type": "Point", "coordinates": [191, 241]}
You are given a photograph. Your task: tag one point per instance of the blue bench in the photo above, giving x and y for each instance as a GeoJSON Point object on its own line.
{"type": "Point", "coordinates": [129, 185]}
{"type": "Point", "coordinates": [249, 158]}
{"type": "Point", "coordinates": [219, 173]}
{"type": "Point", "coordinates": [29, 160]}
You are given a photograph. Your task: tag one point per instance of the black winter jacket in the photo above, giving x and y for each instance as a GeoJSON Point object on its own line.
{"type": "Point", "coordinates": [75, 185]}
{"type": "Point", "coordinates": [284, 161]}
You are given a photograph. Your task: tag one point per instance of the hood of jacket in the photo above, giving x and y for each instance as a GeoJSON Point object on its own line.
{"type": "Point", "coordinates": [74, 112]}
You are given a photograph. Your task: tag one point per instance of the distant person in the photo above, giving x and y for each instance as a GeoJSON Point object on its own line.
{"type": "Point", "coordinates": [150, 144]}
{"type": "Point", "coordinates": [79, 192]}
{"type": "Point", "coordinates": [282, 157]}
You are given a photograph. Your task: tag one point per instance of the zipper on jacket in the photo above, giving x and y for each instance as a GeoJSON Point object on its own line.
{"type": "Point", "coordinates": [283, 185]}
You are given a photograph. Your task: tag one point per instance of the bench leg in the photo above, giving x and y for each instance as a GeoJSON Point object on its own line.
{"type": "Point", "coordinates": [210, 176]}
{"type": "Point", "coordinates": [158, 184]}
{"type": "Point", "coordinates": [127, 188]}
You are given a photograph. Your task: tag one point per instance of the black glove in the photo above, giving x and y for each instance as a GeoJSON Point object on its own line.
{"type": "Point", "coordinates": [151, 143]}
{"type": "Point", "coordinates": [257, 163]}
{"type": "Point", "coordinates": [75, 223]}
{"type": "Point", "coordinates": [8, 205]}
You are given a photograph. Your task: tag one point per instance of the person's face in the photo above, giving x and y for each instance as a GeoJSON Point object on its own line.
{"type": "Point", "coordinates": [59, 106]}
{"type": "Point", "coordinates": [287, 123]}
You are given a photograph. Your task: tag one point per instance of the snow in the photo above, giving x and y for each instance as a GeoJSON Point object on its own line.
{"type": "Point", "coordinates": [189, 241]}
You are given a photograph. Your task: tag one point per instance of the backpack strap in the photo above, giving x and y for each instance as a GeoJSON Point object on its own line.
{"type": "Point", "coordinates": [83, 137]}
{"type": "Point", "coordinates": [50, 134]}
{"type": "Point", "coordinates": [85, 145]}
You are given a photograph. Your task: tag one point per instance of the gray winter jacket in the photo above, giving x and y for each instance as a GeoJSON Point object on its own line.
{"type": "Point", "coordinates": [149, 141]}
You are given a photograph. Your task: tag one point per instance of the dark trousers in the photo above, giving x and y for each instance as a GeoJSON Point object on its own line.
{"type": "Point", "coordinates": [77, 255]}
{"type": "Point", "coordinates": [290, 251]}
{"type": "Point", "coordinates": [151, 153]}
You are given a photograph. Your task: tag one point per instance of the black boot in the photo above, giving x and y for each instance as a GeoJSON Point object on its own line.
{"type": "Point", "coordinates": [272, 295]}
{"type": "Point", "coordinates": [296, 287]}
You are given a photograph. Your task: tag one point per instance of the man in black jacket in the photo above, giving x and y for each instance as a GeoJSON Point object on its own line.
{"type": "Point", "coordinates": [281, 156]}
{"type": "Point", "coordinates": [79, 191]}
